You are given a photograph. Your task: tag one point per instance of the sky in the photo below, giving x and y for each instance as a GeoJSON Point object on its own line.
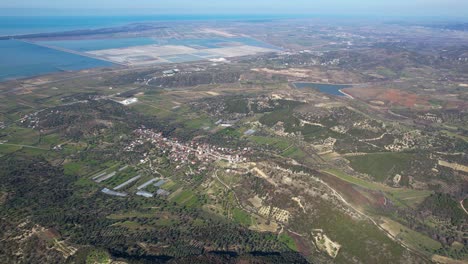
{"type": "Point", "coordinates": [457, 8]}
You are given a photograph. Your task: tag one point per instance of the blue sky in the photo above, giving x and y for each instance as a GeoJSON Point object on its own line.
{"type": "Point", "coordinates": [331, 7]}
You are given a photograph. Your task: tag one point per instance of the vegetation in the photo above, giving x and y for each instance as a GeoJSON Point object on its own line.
{"type": "Point", "coordinates": [253, 168]}
{"type": "Point", "coordinates": [445, 207]}
{"type": "Point", "coordinates": [381, 166]}
{"type": "Point", "coordinates": [288, 241]}
{"type": "Point", "coordinates": [39, 188]}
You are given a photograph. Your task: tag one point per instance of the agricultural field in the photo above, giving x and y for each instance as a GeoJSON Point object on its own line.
{"type": "Point", "coordinates": [231, 160]}
{"type": "Point", "coordinates": [382, 166]}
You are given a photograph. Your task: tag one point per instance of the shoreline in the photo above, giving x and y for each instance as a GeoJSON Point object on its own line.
{"type": "Point", "coordinates": [343, 93]}
{"type": "Point", "coordinates": [83, 54]}
{"type": "Point", "coordinates": [346, 94]}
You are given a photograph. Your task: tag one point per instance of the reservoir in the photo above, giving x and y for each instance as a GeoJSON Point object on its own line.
{"type": "Point", "coordinates": [21, 60]}
{"type": "Point", "coordinates": [333, 89]}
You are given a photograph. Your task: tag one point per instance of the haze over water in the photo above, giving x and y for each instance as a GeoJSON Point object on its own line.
{"type": "Point", "coordinates": [18, 25]}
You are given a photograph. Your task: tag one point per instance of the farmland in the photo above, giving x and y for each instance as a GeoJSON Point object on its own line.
{"type": "Point", "coordinates": [383, 165]}
{"type": "Point", "coordinates": [229, 161]}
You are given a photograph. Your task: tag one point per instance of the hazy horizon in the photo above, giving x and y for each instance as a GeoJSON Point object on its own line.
{"type": "Point", "coordinates": [397, 8]}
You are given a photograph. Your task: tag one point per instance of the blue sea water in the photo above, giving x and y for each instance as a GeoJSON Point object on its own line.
{"type": "Point", "coordinates": [18, 25]}
{"type": "Point", "coordinates": [21, 60]}
{"type": "Point", "coordinates": [333, 89]}
{"type": "Point", "coordinates": [98, 44]}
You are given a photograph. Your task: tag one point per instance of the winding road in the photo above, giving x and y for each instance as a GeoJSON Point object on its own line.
{"type": "Point", "coordinates": [463, 207]}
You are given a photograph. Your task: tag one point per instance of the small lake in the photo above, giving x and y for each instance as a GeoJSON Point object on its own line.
{"type": "Point", "coordinates": [21, 60]}
{"type": "Point", "coordinates": [333, 89]}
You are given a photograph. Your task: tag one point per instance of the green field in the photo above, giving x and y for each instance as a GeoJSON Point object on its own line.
{"type": "Point", "coordinates": [381, 166]}
{"type": "Point", "coordinates": [131, 214]}
{"type": "Point", "coordinates": [98, 256]}
{"type": "Point", "coordinates": [413, 238]}
{"type": "Point", "coordinates": [187, 198]}
{"type": "Point", "coordinates": [198, 123]}
{"type": "Point", "coordinates": [5, 149]}
{"type": "Point", "coordinates": [241, 217]}
{"type": "Point", "coordinates": [344, 230]}
{"type": "Point", "coordinates": [289, 241]}
{"type": "Point", "coordinates": [72, 168]}
{"type": "Point", "coordinates": [169, 186]}
{"type": "Point", "coordinates": [400, 196]}
{"type": "Point", "coordinates": [356, 181]}
{"type": "Point", "coordinates": [121, 177]}
{"type": "Point", "coordinates": [20, 135]}
{"type": "Point", "coordinates": [50, 140]}
{"type": "Point", "coordinates": [455, 135]}
{"type": "Point", "coordinates": [278, 143]}
{"type": "Point", "coordinates": [409, 197]}
{"type": "Point", "coordinates": [285, 116]}
{"type": "Point", "coordinates": [294, 153]}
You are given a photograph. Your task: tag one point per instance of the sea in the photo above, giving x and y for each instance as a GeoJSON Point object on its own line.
{"type": "Point", "coordinates": [19, 59]}
{"type": "Point", "coordinates": [21, 25]}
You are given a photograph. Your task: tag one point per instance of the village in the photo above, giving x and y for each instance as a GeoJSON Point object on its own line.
{"type": "Point", "coordinates": [187, 153]}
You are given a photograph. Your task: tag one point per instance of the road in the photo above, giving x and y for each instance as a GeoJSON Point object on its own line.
{"type": "Point", "coordinates": [463, 207]}
{"type": "Point", "coordinates": [78, 76]}
{"type": "Point", "coordinates": [23, 146]}
{"type": "Point", "coordinates": [338, 195]}
{"type": "Point", "coordinates": [215, 174]}
{"type": "Point", "coordinates": [343, 200]}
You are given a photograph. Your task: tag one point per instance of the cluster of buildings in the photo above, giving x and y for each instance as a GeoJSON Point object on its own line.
{"type": "Point", "coordinates": [431, 118]}
{"type": "Point", "coordinates": [168, 73]}
{"type": "Point", "coordinates": [129, 101]}
{"type": "Point", "coordinates": [31, 119]}
{"type": "Point", "coordinates": [408, 141]}
{"type": "Point", "coordinates": [325, 146]}
{"type": "Point", "coordinates": [188, 153]}
{"type": "Point", "coordinates": [154, 184]}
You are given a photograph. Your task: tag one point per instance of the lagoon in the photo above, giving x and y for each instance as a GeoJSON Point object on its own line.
{"type": "Point", "coordinates": [21, 60]}
{"type": "Point", "coordinates": [213, 43]}
{"type": "Point", "coordinates": [84, 45]}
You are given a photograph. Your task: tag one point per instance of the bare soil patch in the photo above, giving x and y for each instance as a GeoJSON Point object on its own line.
{"type": "Point", "coordinates": [380, 96]}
